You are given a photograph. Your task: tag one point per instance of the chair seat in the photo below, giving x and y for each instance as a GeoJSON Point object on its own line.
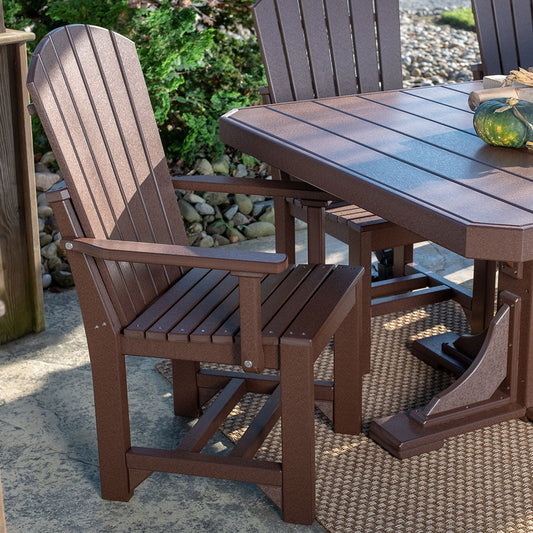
{"type": "Point", "coordinates": [203, 307]}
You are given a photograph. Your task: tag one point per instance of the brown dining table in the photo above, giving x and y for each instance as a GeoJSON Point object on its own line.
{"type": "Point", "coordinates": [412, 157]}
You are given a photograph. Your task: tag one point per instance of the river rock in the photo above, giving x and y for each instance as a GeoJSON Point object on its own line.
{"type": "Point", "coordinates": [234, 235]}
{"type": "Point", "coordinates": [188, 212]}
{"type": "Point", "coordinates": [259, 207]}
{"type": "Point", "coordinates": [221, 165]}
{"type": "Point", "coordinates": [216, 228]}
{"type": "Point", "coordinates": [259, 229]}
{"type": "Point", "coordinates": [231, 212]}
{"type": "Point", "coordinates": [216, 198]}
{"type": "Point", "coordinates": [241, 171]}
{"type": "Point", "coordinates": [245, 204]}
{"type": "Point", "coordinates": [206, 242]}
{"type": "Point", "coordinates": [47, 158]}
{"type": "Point", "coordinates": [45, 238]}
{"type": "Point", "coordinates": [63, 279]}
{"type": "Point", "coordinates": [203, 167]}
{"type": "Point", "coordinates": [44, 211]}
{"type": "Point", "coordinates": [240, 220]}
{"type": "Point", "coordinates": [205, 209]}
{"type": "Point", "coordinates": [46, 180]}
{"type": "Point", "coordinates": [47, 281]}
{"type": "Point", "coordinates": [193, 198]}
{"type": "Point", "coordinates": [220, 240]}
{"type": "Point", "coordinates": [49, 251]}
{"type": "Point", "coordinates": [268, 215]}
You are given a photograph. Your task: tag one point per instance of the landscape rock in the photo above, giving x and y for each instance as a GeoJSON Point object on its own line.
{"type": "Point", "coordinates": [221, 165]}
{"type": "Point", "coordinates": [259, 229]}
{"type": "Point", "coordinates": [188, 212]}
{"type": "Point", "coordinates": [268, 215]}
{"type": "Point", "coordinates": [245, 203]}
{"type": "Point", "coordinates": [216, 198]}
{"type": "Point", "coordinates": [203, 167]}
{"type": "Point", "coordinates": [63, 279]}
{"type": "Point", "coordinates": [46, 180]}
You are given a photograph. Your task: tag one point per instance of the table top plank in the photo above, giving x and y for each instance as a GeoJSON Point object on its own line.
{"type": "Point", "coordinates": [412, 160]}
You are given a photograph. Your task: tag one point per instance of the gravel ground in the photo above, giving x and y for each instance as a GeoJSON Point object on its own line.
{"type": "Point", "coordinates": [434, 53]}
{"type": "Point", "coordinates": [433, 4]}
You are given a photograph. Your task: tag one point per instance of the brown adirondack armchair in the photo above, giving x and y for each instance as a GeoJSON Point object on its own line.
{"type": "Point", "coordinates": [505, 35]}
{"type": "Point", "coordinates": [143, 292]}
{"type": "Point", "coordinates": [327, 48]}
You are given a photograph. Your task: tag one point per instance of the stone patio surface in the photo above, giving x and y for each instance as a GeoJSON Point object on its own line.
{"type": "Point", "coordinates": [48, 453]}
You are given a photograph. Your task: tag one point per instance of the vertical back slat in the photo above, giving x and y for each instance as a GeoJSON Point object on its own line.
{"type": "Point", "coordinates": [295, 43]}
{"type": "Point", "coordinates": [273, 51]}
{"type": "Point", "coordinates": [342, 49]}
{"type": "Point", "coordinates": [523, 22]}
{"type": "Point", "coordinates": [366, 57]}
{"type": "Point", "coordinates": [89, 90]}
{"type": "Point", "coordinates": [321, 48]}
{"type": "Point", "coordinates": [316, 30]}
{"type": "Point", "coordinates": [505, 33]}
{"type": "Point", "coordinates": [486, 32]}
{"type": "Point", "coordinates": [389, 43]}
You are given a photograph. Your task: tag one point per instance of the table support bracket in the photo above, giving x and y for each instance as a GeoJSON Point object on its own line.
{"type": "Point", "coordinates": [484, 393]}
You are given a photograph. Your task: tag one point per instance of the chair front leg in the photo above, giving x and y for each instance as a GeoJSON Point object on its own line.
{"type": "Point", "coordinates": [108, 367]}
{"type": "Point", "coordinates": [348, 402]}
{"type": "Point", "coordinates": [298, 433]}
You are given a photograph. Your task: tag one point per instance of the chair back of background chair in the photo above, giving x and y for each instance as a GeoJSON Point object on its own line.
{"type": "Point", "coordinates": [505, 34]}
{"type": "Point", "coordinates": [88, 89]}
{"type": "Point", "coordinates": [322, 48]}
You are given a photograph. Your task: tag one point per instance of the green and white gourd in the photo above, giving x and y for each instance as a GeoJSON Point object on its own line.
{"type": "Point", "coordinates": [505, 122]}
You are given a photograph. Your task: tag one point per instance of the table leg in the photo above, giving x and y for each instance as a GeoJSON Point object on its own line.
{"type": "Point", "coordinates": [486, 393]}
{"type": "Point", "coordinates": [518, 278]}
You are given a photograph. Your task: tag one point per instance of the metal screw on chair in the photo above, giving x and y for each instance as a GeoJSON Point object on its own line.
{"type": "Point", "coordinates": [69, 246]}
{"type": "Point", "coordinates": [248, 364]}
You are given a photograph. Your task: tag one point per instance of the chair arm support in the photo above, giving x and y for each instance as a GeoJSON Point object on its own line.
{"type": "Point", "coordinates": [292, 189]}
{"type": "Point", "coordinates": [177, 255]}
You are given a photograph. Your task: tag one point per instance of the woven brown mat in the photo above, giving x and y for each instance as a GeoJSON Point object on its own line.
{"type": "Point", "coordinates": [480, 482]}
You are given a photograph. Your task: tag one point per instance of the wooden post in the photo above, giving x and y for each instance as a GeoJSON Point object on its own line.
{"type": "Point", "coordinates": [20, 257]}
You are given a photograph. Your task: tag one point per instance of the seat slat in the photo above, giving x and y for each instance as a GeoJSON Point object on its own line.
{"type": "Point", "coordinates": [227, 310]}
{"type": "Point", "coordinates": [289, 309]}
{"type": "Point", "coordinates": [160, 328]}
{"type": "Point", "coordinates": [161, 306]}
{"type": "Point", "coordinates": [181, 331]}
{"type": "Point", "coordinates": [230, 328]}
{"type": "Point", "coordinates": [311, 318]}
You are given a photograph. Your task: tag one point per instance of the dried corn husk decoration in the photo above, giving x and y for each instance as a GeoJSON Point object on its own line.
{"type": "Point", "coordinates": [519, 76]}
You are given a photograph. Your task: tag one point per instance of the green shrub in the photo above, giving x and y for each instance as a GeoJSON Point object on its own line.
{"type": "Point", "coordinates": [462, 18]}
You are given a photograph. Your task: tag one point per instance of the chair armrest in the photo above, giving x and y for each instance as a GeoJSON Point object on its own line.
{"type": "Point", "coordinates": [275, 188]}
{"type": "Point", "coordinates": [244, 263]}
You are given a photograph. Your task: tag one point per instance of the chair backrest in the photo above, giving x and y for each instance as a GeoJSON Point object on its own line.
{"type": "Point", "coordinates": [505, 34]}
{"type": "Point", "coordinates": [321, 48]}
{"type": "Point", "coordinates": [89, 91]}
